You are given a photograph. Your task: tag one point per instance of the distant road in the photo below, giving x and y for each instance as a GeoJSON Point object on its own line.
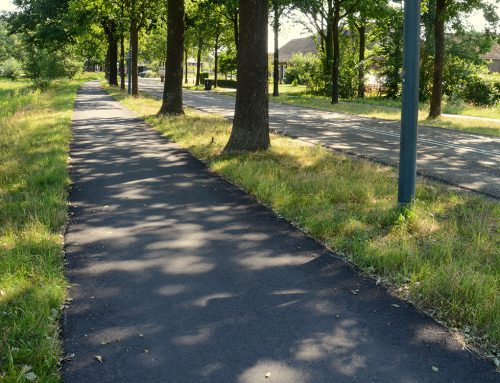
{"type": "Point", "coordinates": [470, 161]}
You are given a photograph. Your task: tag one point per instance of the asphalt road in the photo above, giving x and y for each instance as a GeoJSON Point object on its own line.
{"type": "Point", "coordinates": [180, 277]}
{"type": "Point", "coordinates": [466, 160]}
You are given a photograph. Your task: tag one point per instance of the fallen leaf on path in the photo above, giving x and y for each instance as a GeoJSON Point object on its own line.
{"type": "Point", "coordinates": [435, 369]}
{"type": "Point", "coordinates": [394, 305]}
{"type": "Point", "coordinates": [99, 358]}
{"type": "Point", "coordinates": [268, 375]}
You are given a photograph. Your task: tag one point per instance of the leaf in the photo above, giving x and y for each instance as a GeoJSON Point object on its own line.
{"type": "Point", "coordinates": [268, 375]}
{"type": "Point", "coordinates": [435, 369]}
{"type": "Point", "coordinates": [30, 376]}
{"type": "Point", "coordinates": [99, 358]}
{"type": "Point", "coordinates": [394, 305]}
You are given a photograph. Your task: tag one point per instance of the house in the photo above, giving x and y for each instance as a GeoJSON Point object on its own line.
{"type": "Point", "coordinates": [494, 56]}
{"type": "Point", "coordinates": [301, 45]}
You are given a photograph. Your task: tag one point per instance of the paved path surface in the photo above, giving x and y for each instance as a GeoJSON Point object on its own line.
{"type": "Point", "coordinates": [466, 160]}
{"type": "Point", "coordinates": [180, 277]}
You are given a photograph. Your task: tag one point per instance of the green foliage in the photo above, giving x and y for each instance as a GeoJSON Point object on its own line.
{"type": "Point", "coordinates": [483, 90]}
{"type": "Point", "coordinates": [307, 70]}
{"type": "Point", "coordinates": [348, 82]}
{"type": "Point", "coordinates": [11, 68]}
{"type": "Point", "coordinates": [45, 65]}
{"type": "Point", "coordinates": [231, 84]}
{"type": "Point", "coordinates": [389, 53]}
{"type": "Point", "coordinates": [227, 62]}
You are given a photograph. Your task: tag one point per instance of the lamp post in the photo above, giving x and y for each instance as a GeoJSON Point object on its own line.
{"type": "Point", "coordinates": [409, 111]}
{"type": "Point", "coordinates": [129, 71]}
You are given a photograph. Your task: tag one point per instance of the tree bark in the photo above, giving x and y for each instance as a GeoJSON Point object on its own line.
{"type": "Point", "coordinates": [361, 66]}
{"type": "Point", "coordinates": [216, 60]}
{"type": "Point", "coordinates": [106, 63]}
{"type": "Point", "coordinates": [134, 42]}
{"type": "Point", "coordinates": [250, 130]}
{"type": "Point", "coordinates": [437, 81]}
{"type": "Point", "coordinates": [336, 55]}
{"type": "Point", "coordinates": [276, 61]}
{"type": "Point", "coordinates": [185, 66]}
{"type": "Point", "coordinates": [172, 91]}
{"type": "Point", "coordinates": [329, 41]}
{"type": "Point", "coordinates": [122, 62]}
{"type": "Point", "coordinates": [198, 63]}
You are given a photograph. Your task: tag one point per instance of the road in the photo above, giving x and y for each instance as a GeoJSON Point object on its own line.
{"type": "Point", "coordinates": [470, 161]}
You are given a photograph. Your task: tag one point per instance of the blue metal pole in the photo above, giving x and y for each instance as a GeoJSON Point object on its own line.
{"type": "Point", "coordinates": [409, 112]}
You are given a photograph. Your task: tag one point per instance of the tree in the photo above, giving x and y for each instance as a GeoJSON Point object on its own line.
{"type": "Point", "coordinates": [389, 50]}
{"type": "Point", "coordinates": [172, 92]}
{"type": "Point", "coordinates": [250, 130]}
{"type": "Point", "coordinates": [446, 10]}
{"type": "Point", "coordinates": [278, 8]}
{"type": "Point", "coordinates": [367, 11]}
{"type": "Point", "coordinates": [143, 14]}
{"type": "Point", "coordinates": [326, 16]}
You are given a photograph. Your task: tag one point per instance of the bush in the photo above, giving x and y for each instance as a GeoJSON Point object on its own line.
{"type": "Point", "coordinates": [11, 68]}
{"type": "Point", "coordinates": [226, 83]}
{"type": "Point", "coordinates": [306, 70]}
{"type": "Point", "coordinates": [483, 90]}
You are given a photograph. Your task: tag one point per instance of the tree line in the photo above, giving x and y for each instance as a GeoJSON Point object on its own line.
{"type": "Point", "coordinates": [235, 33]}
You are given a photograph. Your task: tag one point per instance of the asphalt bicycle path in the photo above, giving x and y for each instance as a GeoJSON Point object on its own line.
{"type": "Point", "coordinates": [470, 161]}
{"type": "Point", "coordinates": [179, 276]}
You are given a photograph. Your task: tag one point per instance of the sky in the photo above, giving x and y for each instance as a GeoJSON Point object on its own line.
{"type": "Point", "coordinates": [292, 29]}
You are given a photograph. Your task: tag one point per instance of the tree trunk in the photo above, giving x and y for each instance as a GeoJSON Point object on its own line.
{"type": "Point", "coordinates": [113, 60]}
{"type": "Point", "coordinates": [185, 66]}
{"type": "Point", "coordinates": [437, 81]}
{"type": "Point", "coordinates": [172, 91]}
{"type": "Point", "coordinates": [216, 60]}
{"type": "Point", "coordinates": [134, 42]}
{"type": "Point", "coordinates": [198, 63]}
{"type": "Point", "coordinates": [276, 62]}
{"type": "Point", "coordinates": [122, 62]}
{"type": "Point", "coordinates": [329, 45]}
{"type": "Point", "coordinates": [361, 66]}
{"type": "Point", "coordinates": [250, 130]}
{"type": "Point", "coordinates": [336, 55]}
{"type": "Point", "coordinates": [106, 63]}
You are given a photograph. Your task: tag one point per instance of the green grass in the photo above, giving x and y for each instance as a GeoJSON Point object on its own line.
{"type": "Point", "coordinates": [34, 143]}
{"type": "Point", "coordinates": [443, 251]}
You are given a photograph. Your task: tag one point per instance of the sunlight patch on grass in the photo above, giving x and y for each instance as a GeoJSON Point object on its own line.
{"type": "Point", "coordinates": [444, 249]}
{"type": "Point", "coordinates": [34, 144]}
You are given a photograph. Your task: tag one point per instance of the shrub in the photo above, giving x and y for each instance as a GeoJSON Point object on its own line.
{"type": "Point", "coordinates": [306, 70]}
{"type": "Point", "coordinates": [227, 83]}
{"type": "Point", "coordinates": [483, 90]}
{"type": "Point", "coordinates": [11, 68]}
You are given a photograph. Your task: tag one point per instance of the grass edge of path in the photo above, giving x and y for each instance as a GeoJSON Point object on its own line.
{"type": "Point", "coordinates": [34, 185]}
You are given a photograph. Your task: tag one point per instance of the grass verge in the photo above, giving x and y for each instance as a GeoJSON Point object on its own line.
{"type": "Point", "coordinates": [34, 142]}
{"type": "Point", "coordinates": [442, 253]}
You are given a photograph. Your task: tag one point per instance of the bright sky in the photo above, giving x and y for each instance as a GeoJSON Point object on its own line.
{"type": "Point", "coordinates": [291, 29]}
